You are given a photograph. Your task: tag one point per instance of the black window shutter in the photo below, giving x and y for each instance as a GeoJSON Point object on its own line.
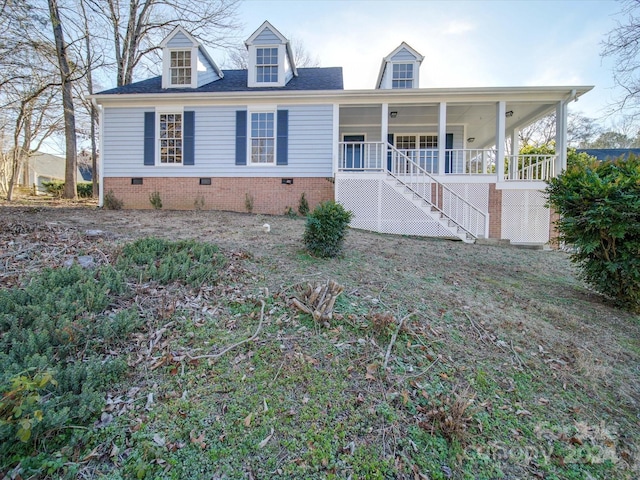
{"type": "Point", "coordinates": [189, 140]}
{"type": "Point", "coordinates": [241, 137]}
{"type": "Point", "coordinates": [282, 149]}
{"type": "Point", "coordinates": [149, 138]}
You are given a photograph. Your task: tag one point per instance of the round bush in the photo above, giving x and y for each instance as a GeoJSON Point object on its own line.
{"type": "Point", "coordinates": [326, 228]}
{"type": "Point", "coordinates": [599, 207]}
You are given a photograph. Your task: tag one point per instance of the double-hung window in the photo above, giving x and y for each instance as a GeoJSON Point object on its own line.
{"type": "Point", "coordinates": [171, 138]}
{"type": "Point", "coordinates": [402, 75]}
{"type": "Point", "coordinates": [267, 65]}
{"type": "Point", "coordinates": [263, 139]}
{"type": "Point", "coordinates": [180, 68]}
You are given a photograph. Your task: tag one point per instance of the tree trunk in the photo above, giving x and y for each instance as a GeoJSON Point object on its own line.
{"type": "Point", "coordinates": [71, 166]}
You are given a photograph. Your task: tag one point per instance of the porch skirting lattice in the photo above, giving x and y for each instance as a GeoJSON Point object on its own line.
{"type": "Point", "coordinates": [520, 216]}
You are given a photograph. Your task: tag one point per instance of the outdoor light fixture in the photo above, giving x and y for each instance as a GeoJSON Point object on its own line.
{"type": "Point", "coordinates": [471, 139]}
{"type": "Point", "coordinates": [509, 113]}
{"type": "Point", "coordinates": [395, 114]}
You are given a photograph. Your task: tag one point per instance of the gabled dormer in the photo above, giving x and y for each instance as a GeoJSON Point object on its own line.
{"type": "Point", "coordinates": [270, 58]}
{"type": "Point", "coordinates": [400, 69]}
{"type": "Point", "coordinates": [185, 63]}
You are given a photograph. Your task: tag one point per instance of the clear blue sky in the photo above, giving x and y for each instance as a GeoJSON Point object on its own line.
{"type": "Point", "coordinates": [465, 43]}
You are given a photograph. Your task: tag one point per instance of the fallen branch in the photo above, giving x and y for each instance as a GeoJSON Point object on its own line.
{"type": "Point", "coordinates": [318, 300]}
{"type": "Point", "coordinates": [516, 355]}
{"type": "Point", "coordinates": [393, 340]}
{"type": "Point", "coordinates": [235, 345]}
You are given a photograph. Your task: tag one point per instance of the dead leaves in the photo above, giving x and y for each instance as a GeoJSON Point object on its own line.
{"type": "Point", "coordinates": [197, 439]}
{"type": "Point", "coordinates": [372, 368]}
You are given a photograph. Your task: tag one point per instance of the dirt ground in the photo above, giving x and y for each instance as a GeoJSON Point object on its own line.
{"type": "Point", "coordinates": [489, 303]}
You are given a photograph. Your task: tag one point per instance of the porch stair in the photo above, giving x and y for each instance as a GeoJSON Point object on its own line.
{"type": "Point", "coordinates": [452, 212]}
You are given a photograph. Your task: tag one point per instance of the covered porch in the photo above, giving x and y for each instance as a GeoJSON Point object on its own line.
{"type": "Point", "coordinates": [448, 161]}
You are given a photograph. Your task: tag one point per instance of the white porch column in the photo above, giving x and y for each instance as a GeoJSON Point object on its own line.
{"type": "Point", "coordinates": [515, 141]}
{"type": "Point", "coordinates": [384, 132]}
{"type": "Point", "coordinates": [336, 137]}
{"type": "Point", "coordinates": [561, 137]}
{"type": "Point", "coordinates": [442, 136]}
{"type": "Point", "coordinates": [501, 110]}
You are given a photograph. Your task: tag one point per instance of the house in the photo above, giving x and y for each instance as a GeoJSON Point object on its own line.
{"type": "Point", "coordinates": [604, 154]}
{"type": "Point", "coordinates": [45, 167]}
{"type": "Point", "coordinates": [403, 159]}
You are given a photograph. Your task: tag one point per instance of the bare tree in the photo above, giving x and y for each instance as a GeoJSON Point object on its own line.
{"type": "Point", "coordinates": [91, 62]}
{"type": "Point", "coordinates": [581, 131]}
{"type": "Point", "coordinates": [29, 90]}
{"type": "Point", "coordinates": [623, 44]}
{"type": "Point", "coordinates": [137, 26]}
{"type": "Point", "coordinates": [71, 164]}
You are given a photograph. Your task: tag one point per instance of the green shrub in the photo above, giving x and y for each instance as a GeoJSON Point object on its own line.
{"type": "Point", "coordinates": [156, 201]}
{"type": "Point", "coordinates": [303, 206]}
{"type": "Point", "coordinates": [164, 261]}
{"type": "Point", "coordinates": [85, 190]}
{"type": "Point", "coordinates": [326, 228]}
{"type": "Point", "coordinates": [56, 334]}
{"type": "Point", "coordinates": [111, 202]}
{"type": "Point", "coordinates": [599, 207]}
{"type": "Point", "coordinates": [56, 188]}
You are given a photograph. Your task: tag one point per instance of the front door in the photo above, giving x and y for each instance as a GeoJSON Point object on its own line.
{"type": "Point", "coordinates": [353, 153]}
{"type": "Point", "coordinates": [448, 167]}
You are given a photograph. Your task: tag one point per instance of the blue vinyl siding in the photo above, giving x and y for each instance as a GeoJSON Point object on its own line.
{"type": "Point", "coordinates": [267, 37]}
{"type": "Point", "coordinates": [209, 74]}
{"type": "Point", "coordinates": [403, 55]}
{"type": "Point", "coordinates": [180, 40]}
{"type": "Point", "coordinates": [309, 153]}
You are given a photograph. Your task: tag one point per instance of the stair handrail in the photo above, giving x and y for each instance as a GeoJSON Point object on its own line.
{"type": "Point", "coordinates": [422, 176]}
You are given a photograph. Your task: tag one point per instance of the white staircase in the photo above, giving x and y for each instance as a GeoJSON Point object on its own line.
{"type": "Point", "coordinates": [454, 213]}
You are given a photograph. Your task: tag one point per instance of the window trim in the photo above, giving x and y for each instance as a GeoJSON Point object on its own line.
{"type": "Point", "coordinates": [168, 111]}
{"type": "Point", "coordinates": [270, 65]}
{"type": "Point", "coordinates": [166, 73]}
{"type": "Point", "coordinates": [264, 109]}
{"type": "Point", "coordinates": [413, 75]}
{"type": "Point", "coordinates": [252, 75]}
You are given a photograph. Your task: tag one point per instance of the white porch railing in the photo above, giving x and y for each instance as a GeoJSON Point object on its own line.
{"type": "Point", "coordinates": [368, 156]}
{"type": "Point", "coordinates": [448, 203]}
{"type": "Point", "coordinates": [532, 168]}
{"type": "Point", "coordinates": [362, 156]}
{"type": "Point", "coordinates": [374, 156]}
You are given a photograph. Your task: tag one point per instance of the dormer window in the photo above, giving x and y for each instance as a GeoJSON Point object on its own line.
{"type": "Point", "coordinates": [270, 58]}
{"type": "Point", "coordinates": [267, 65]}
{"type": "Point", "coordinates": [180, 68]}
{"type": "Point", "coordinates": [402, 75]}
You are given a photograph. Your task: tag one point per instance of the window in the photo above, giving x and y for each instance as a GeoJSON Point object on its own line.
{"type": "Point", "coordinates": [180, 69]}
{"type": "Point", "coordinates": [267, 65]}
{"type": "Point", "coordinates": [262, 138]}
{"type": "Point", "coordinates": [170, 133]}
{"type": "Point", "coordinates": [428, 141]}
{"type": "Point", "coordinates": [406, 142]}
{"type": "Point", "coordinates": [402, 75]}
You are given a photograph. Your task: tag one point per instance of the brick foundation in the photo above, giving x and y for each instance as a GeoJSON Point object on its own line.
{"type": "Point", "coordinates": [270, 195]}
{"type": "Point", "coordinates": [495, 212]}
{"type": "Point", "coordinates": [553, 231]}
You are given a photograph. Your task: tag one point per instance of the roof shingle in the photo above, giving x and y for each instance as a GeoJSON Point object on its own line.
{"type": "Point", "coordinates": [328, 78]}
